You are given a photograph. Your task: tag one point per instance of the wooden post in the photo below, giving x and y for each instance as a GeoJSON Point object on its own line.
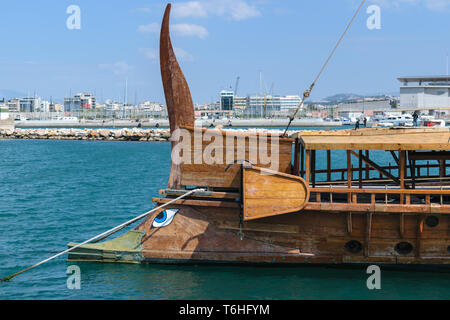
{"type": "Point", "coordinates": [442, 168]}
{"type": "Point", "coordinates": [349, 174]}
{"type": "Point", "coordinates": [401, 171]}
{"type": "Point", "coordinates": [308, 167]}
{"type": "Point", "coordinates": [302, 160]}
{"type": "Point", "coordinates": [367, 166]}
{"type": "Point", "coordinates": [296, 158]}
{"type": "Point", "coordinates": [412, 166]}
{"type": "Point", "coordinates": [360, 162]}
{"type": "Point", "coordinates": [313, 168]}
{"type": "Point", "coordinates": [328, 165]}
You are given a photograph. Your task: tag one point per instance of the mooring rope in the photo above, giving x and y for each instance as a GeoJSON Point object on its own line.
{"type": "Point", "coordinates": [104, 234]}
{"type": "Point", "coordinates": [307, 93]}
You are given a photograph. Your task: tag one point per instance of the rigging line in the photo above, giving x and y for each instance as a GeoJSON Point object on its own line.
{"type": "Point", "coordinates": [307, 93]}
{"type": "Point", "coordinates": [106, 233]}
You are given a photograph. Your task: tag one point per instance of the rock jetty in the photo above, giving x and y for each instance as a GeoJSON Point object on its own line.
{"type": "Point", "coordinates": [134, 134]}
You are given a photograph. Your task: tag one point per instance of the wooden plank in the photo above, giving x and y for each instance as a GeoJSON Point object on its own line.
{"type": "Point", "coordinates": [402, 164]}
{"type": "Point", "coordinates": [433, 155]}
{"type": "Point", "coordinates": [207, 194]}
{"type": "Point", "coordinates": [328, 165]}
{"type": "Point", "coordinates": [308, 167]}
{"type": "Point", "coordinates": [296, 166]}
{"type": "Point", "coordinates": [379, 208]}
{"type": "Point", "coordinates": [349, 174]}
{"type": "Point", "coordinates": [202, 203]}
{"type": "Point", "coordinates": [389, 140]}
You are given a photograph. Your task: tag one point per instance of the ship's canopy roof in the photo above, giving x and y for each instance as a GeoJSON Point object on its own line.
{"type": "Point", "coordinates": [377, 139]}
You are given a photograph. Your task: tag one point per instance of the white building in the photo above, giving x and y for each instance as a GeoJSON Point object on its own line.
{"type": "Point", "coordinates": [4, 112]}
{"type": "Point", "coordinates": [80, 101]}
{"type": "Point", "coordinates": [151, 106]}
{"type": "Point", "coordinates": [425, 92]}
{"type": "Point", "coordinates": [289, 102]}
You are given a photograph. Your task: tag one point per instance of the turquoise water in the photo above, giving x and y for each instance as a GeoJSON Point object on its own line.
{"type": "Point", "coordinates": [55, 192]}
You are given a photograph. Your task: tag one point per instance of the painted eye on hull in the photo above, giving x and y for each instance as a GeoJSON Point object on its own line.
{"type": "Point", "coordinates": [164, 218]}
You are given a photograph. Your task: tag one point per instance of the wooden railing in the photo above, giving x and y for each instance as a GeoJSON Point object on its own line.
{"type": "Point", "coordinates": [381, 200]}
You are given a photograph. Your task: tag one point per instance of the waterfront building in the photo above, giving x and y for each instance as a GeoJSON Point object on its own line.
{"type": "Point", "coordinates": [431, 92]}
{"type": "Point", "coordinates": [289, 102]}
{"type": "Point", "coordinates": [30, 104]}
{"type": "Point", "coordinates": [4, 111]}
{"type": "Point", "coordinates": [240, 103]}
{"type": "Point", "coordinates": [367, 104]}
{"type": "Point", "coordinates": [226, 100]}
{"type": "Point", "coordinates": [151, 106]}
{"type": "Point", "coordinates": [79, 102]}
{"type": "Point", "coordinates": [13, 105]}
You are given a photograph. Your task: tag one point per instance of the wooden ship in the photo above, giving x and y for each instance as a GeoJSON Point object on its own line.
{"type": "Point", "coordinates": [354, 211]}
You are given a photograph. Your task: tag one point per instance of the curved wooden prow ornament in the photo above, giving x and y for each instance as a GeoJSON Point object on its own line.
{"type": "Point", "coordinates": [180, 107]}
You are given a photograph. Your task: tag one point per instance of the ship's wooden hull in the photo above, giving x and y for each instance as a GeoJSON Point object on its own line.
{"type": "Point", "coordinates": [212, 235]}
{"type": "Point", "coordinates": [200, 234]}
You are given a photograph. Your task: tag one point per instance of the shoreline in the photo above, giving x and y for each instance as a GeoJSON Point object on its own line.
{"type": "Point", "coordinates": [164, 123]}
{"type": "Point", "coordinates": [143, 135]}
{"type": "Point", "coordinates": [129, 134]}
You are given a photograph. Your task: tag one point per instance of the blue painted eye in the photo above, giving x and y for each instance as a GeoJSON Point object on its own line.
{"type": "Point", "coordinates": [164, 218]}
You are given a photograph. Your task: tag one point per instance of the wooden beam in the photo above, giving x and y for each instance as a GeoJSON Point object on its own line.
{"type": "Point", "coordinates": [308, 167]}
{"type": "Point", "coordinates": [349, 173]}
{"type": "Point", "coordinates": [360, 163]}
{"type": "Point", "coordinates": [328, 165]}
{"type": "Point", "coordinates": [368, 233]}
{"type": "Point", "coordinates": [433, 155]}
{"type": "Point", "coordinates": [205, 194]}
{"type": "Point", "coordinates": [395, 157]}
{"type": "Point", "coordinates": [313, 167]}
{"type": "Point", "coordinates": [367, 166]}
{"type": "Point", "coordinates": [302, 160]}
{"type": "Point", "coordinates": [296, 166]}
{"type": "Point", "coordinates": [200, 203]}
{"type": "Point", "coordinates": [401, 172]}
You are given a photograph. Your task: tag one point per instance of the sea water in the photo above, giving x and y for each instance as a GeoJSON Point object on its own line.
{"type": "Point", "coordinates": [56, 192]}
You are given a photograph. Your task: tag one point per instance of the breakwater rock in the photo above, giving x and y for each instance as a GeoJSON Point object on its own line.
{"type": "Point", "coordinates": [134, 134]}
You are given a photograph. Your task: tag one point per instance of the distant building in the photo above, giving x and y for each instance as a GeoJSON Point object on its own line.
{"type": "Point", "coordinates": [79, 102]}
{"type": "Point", "coordinates": [425, 92]}
{"type": "Point", "coordinates": [13, 105]}
{"type": "Point", "coordinates": [4, 111]}
{"type": "Point", "coordinates": [151, 106]}
{"type": "Point", "coordinates": [30, 104]}
{"type": "Point", "coordinates": [226, 100]}
{"type": "Point", "coordinates": [290, 102]}
{"type": "Point", "coordinates": [364, 105]}
{"type": "Point", "coordinates": [271, 105]}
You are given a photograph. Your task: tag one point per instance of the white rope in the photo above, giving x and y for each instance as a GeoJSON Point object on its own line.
{"type": "Point", "coordinates": [307, 93]}
{"type": "Point", "coordinates": [110, 231]}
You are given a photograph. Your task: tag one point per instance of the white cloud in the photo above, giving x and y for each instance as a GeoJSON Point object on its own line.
{"type": "Point", "coordinates": [438, 5]}
{"type": "Point", "coordinates": [182, 29]}
{"type": "Point", "coordinates": [153, 55]}
{"type": "Point", "coordinates": [189, 9]}
{"type": "Point", "coordinates": [183, 55]}
{"type": "Point", "coordinates": [118, 68]}
{"type": "Point", "coordinates": [236, 9]}
{"type": "Point", "coordinates": [149, 28]}
{"type": "Point", "coordinates": [434, 5]}
{"type": "Point", "coordinates": [149, 53]}
{"type": "Point", "coordinates": [190, 30]}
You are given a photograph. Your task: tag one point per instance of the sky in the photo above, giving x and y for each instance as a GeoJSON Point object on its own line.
{"type": "Point", "coordinates": [216, 41]}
